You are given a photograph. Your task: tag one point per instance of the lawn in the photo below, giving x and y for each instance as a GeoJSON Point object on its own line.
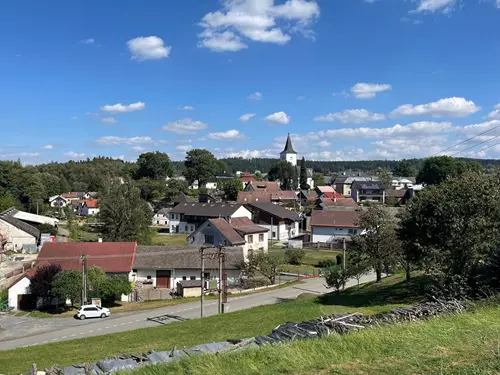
{"type": "Point", "coordinates": [369, 299]}
{"type": "Point", "coordinates": [455, 344]}
{"type": "Point", "coordinates": [169, 239]}
{"type": "Point", "coordinates": [310, 263]}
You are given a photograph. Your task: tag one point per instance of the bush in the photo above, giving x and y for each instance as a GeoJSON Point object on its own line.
{"type": "Point", "coordinates": [327, 263]}
{"type": "Point", "coordinates": [294, 256]}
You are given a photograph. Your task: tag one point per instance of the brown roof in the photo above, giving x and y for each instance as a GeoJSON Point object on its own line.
{"type": "Point", "coordinates": [253, 196]}
{"type": "Point", "coordinates": [206, 209]}
{"type": "Point", "coordinates": [275, 210]}
{"type": "Point", "coordinates": [243, 225]}
{"type": "Point", "coordinates": [269, 186]}
{"type": "Point", "coordinates": [91, 203]}
{"type": "Point", "coordinates": [110, 256]}
{"type": "Point", "coordinates": [285, 194]}
{"type": "Point", "coordinates": [227, 231]}
{"type": "Point", "coordinates": [175, 257]}
{"type": "Point", "coordinates": [339, 202]}
{"type": "Point", "coordinates": [346, 219]}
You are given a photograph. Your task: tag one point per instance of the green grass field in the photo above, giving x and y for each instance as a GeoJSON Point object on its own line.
{"type": "Point", "coordinates": [169, 239]}
{"type": "Point", "coordinates": [310, 262]}
{"type": "Point", "coordinates": [368, 299]}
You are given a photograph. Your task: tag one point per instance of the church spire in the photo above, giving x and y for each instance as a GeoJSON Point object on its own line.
{"type": "Point", "coordinates": [288, 146]}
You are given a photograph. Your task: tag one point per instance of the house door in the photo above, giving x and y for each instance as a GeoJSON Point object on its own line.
{"type": "Point", "coordinates": [163, 279]}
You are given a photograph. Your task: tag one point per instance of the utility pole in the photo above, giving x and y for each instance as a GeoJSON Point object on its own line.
{"type": "Point", "coordinates": [343, 257]}
{"type": "Point", "coordinates": [271, 231]}
{"type": "Point", "coordinates": [220, 278]}
{"type": "Point", "coordinates": [202, 295]}
{"type": "Point", "coordinates": [84, 278]}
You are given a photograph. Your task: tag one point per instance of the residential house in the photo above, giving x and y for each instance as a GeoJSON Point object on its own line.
{"type": "Point", "coordinates": [88, 207]}
{"type": "Point", "coordinates": [307, 197]}
{"type": "Point", "coordinates": [342, 185]}
{"type": "Point", "coordinates": [336, 204]}
{"type": "Point", "coordinates": [234, 232]}
{"type": "Point", "coordinates": [115, 258]}
{"type": "Point", "coordinates": [164, 267]}
{"type": "Point", "coordinates": [281, 223]}
{"type": "Point", "coordinates": [161, 217]}
{"type": "Point", "coordinates": [368, 191]}
{"type": "Point", "coordinates": [246, 177]}
{"type": "Point", "coordinates": [211, 185]}
{"type": "Point", "coordinates": [328, 226]}
{"type": "Point", "coordinates": [403, 182]}
{"type": "Point", "coordinates": [396, 197]}
{"type": "Point", "coordinates": [284, 197]}
{"type": "Point", "coordinates": [324, 189]}
{"type": "Point", "coordinates": [79, 195]}
{"type": "Point", "coordinates": [183, 198]}
{"type": "Point", "coordinates": [58, 201]}
{"type": "Point", "coordinates": [15, 234]}
{"type": "Point", "coordinates": [187, 217]}
{"type": "Point", "coordinates": [267, 186]}
{"type": "Point", "coordinates": [207, 198]}
{"type": "Point", "coordinates": [245, 197]}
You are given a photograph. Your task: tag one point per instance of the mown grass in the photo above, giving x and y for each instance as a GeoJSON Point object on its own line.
{"type": "Point", "coordinates": [240, 324]}
{"type": "Point", "coordinates": [457, 344]}
{"type": "Point", "coordinates": [169, 239]}
{"type": "Point", "coordinates": [310, 263]}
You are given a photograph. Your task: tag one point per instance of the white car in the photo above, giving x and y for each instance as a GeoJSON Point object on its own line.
{"type": "Point", "coordinates": [92, 311]}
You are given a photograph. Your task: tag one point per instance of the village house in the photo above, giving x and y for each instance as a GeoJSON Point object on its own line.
{"type": "Point", "coordinates": [16, 235]}
{"type": "Point", "coordinates": [368, 191]}
{"type": "Point", "coordinates": [328, 226]}
{"type": "Point", "coordinates": [161, 217]}
{"type": "Point", "coordinates": [114, 258]}
{"type": "Point", "coordinates": [233, 232]}
{"type": "Point", "coordinates": [307, 197]}
{"type": "Point", "coordinates": [336, 204]}
{"type": "Point", "coordinates": [281, 223]}
{"type": "Point", "coordinates": [258, 186]}
{"type": "Point", "coordinates": [88, 207]}
{"type": "Point", "coordinates": [158, 268]}
{"type": "Point", "coordinates": [343, 185]}
{"type": "Point", "coordinates": [246, 177]}
{"type": "Point", "coordinates": [58, 201]}
{"type": "Point", "coordinates": [187, 217]}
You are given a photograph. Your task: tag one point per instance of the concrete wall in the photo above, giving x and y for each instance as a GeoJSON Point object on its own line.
{"type": "Point", "coordinates": [21, 287]}
{"type": "Point", "coordinates": [16, 238]}
{"type": "Point", "coordinates": [190, 292]}
{"type": "Point", "coordinates": [327, 234]}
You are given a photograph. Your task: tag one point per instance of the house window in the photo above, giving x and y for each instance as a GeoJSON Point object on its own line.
{"type": "Point", "coordinates": [274, 234]}
{"type": "Point", "coordinates": [352, 231]}
{"type": "Point", "coordinates": [134, 271]}
{"type": "Point", "coordinates": [250, 238]}
{"type": "Point", "coordinates": [209, 238]}
{"type": "Point", "coordinates": [148, 277]}
{"type": "Point", "coordinates": [186, 228]}
{"type": "Point", "coordinates": [261, 237]}
{"type": "Point", "coordinates": [192, 278]}
{"type": "Point", "coordinates": [157, 221]}
{"type": "Point", "coordinates": [192, 228]}
{"type": "Point", "coordinates": [206, 275]}
{"type": "Point", "coordinates": [184, 278]}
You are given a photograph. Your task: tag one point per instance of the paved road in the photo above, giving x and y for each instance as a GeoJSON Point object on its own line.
{"type": "Point", "coordinates": [62, 233]}
{"type": "Point", "coordinates": [69, 329]}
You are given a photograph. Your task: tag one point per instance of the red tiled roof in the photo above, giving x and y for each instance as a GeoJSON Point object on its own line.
{"type": "Point", "coordinates": [91, 203]}
{"type": "Point", "coordinates": [246, 226]}
{"type": "Point", "coordinates": [346, 219]}
{"type": "Point", "coordinates": [227, 231]}
{"type": "Point", "coordinates": [248, 179]}
{"type": "Point", "coordinates": [110, 256]}
{"type": "Point", "coordinates": [325, 189]}
{"type": "Point", "coordinates": [285, 194]}
{"type": "Point", "coordinates": [73, 194]}
{"type": "Point", "coordinates": [253, 196]}
{"type": "Point", "coordinates": [344, 202]}
{"type": "Point", "coordinates": [269, 186]}
{"type": "Point", "coordinates": [333, 194]}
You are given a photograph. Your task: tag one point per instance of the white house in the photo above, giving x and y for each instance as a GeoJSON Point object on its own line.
{"type": "Point", "coordinates": [162, 267]}
{"type": "Point", "coordinates": [88, 207]}
{"type": "Point", "coordinates": [161, 217]}
{"type": "Point", "coordinates": [19, 288]}
{"type": "Point", "coordinates": [328, 226]}
{"type": "Point", "coordinates": [281, 223]}
{"type": "Point", "coordinates": [187, 217]}
{"type": "Point", "coordinates": [240, 232]}
{"type": "Point", "coordinates": [16, 234]}
{"type": "Point", "coordinates": [58, 201]}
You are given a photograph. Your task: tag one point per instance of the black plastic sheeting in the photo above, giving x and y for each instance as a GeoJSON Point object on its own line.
{"type": "Point", "coordinates": [336, 324]}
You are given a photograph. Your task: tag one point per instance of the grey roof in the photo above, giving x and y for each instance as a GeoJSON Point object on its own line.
{"type": "Point", "coordinates": [288, 146]}
{"type": "Point", "coordinates": [368, 185]}
{"type": "Point", "coordinates": [21, 225]}
{"type": "Point", "coordinates": [206, 209]}
{"type": "Point", "coordinates": [190, 283]}
{"type": "Point", "coordinates": [187, 257]}
{"type": "Point", "coordinates": [275, 210]}
{"type": "Point", "coordinates": [183, 198]}
{"type": "Point", "coordinates": [163, 211]}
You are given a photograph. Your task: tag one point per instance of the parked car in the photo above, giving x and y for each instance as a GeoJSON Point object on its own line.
{"type": "Point", "coordinates": [92, 311]}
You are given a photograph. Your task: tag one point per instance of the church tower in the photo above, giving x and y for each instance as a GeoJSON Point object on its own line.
{"type": "Point", "coordinates": [289, 154]}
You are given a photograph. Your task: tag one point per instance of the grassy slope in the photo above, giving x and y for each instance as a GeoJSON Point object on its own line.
{"type": "Point", "coordinates": [369, 299]}
{"type": "Point", "coordinates": [459, 344]}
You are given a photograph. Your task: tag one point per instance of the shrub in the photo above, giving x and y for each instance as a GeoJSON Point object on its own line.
{"type": "Point", "coordinates": [327, 263]}
{"type": "Point", "coordinates": [294, 256]}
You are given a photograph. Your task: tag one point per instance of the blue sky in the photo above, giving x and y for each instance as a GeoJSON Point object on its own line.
{"type": "Point", "coordinates": [349, 79]}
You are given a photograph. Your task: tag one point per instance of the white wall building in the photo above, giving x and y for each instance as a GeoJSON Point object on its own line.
{"type": "Point", "coordinates": [281, 223]}
{"type": "Point", "coordinates": [16, 233]}
{"type": "Point", "coordinates": [162, 217]}
{"type": "Point", "coordinates": [328, 226]}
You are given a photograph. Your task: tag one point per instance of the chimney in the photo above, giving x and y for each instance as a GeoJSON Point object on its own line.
{"type": "Point", "coordinates": [99, 240]}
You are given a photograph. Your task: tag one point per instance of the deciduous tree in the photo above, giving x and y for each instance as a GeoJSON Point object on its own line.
{"type": "Point", "coordinates": [405, 168]}
{"type": "Point", "coordinates": [155, 165]}
{"type": "Point", "coordinates": [285, 173]}
{"type": "Point", "coordinates": [41, 281]}
{"type": "Point", "coordinates": [68, 285]}
{"type": "Point", "coordinates": [263, 263]}
{"type": "Point", "coordinates": [335, 277]}
{"type": "Point", "coordinates": [231, 188]}
{"type": "Point", "coordinates": [437, 169]}
{"type": "Point", "coordinates": [200, 165]}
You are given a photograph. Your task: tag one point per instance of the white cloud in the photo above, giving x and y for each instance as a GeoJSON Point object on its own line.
{"type": "Point", "coordinates": [229, 28]}
{"type": "Point", "coordinates": [109, 120]}
{"type": "Point", "coordinates": [120, 108]}
{"type": "Point", "coordinates": [148, 48]}
{"type": "Point", "coordinates": [187, 108]}
{"type": "Point", "coordinates": [280, 118]}
{"type": "Point", "coordinates": [369, 90]}
{"type": "Point", "coordinates": [353, 153]}
{"type": "Point", "coordinates": [116, 141]}
{"type": "Point", "coordinates": [324, 144]}
{"type": "Point", "coordinates": [497, 4]}
{"type": "Point", "coordinates": [494, 115]}
{"type": "Point", "coordinates": [397, 148]}
{"type": "Point", "coordinates": [74, 118]}
{"type": "Point", "coordinates": [246, 154]}
{"type": "Point", "coordinates": [184, 147]}
{"type": "Point", "coordinates": [247, 117]}
{"type": "Point", "coordinates": [47, 147]}
{"type": "Point", "coordinates": [498, 105]}
{"type": "Point", "coordinates": [352, 116]}
{"type": "Point", "coordinates": [432, 6]}
{"type": "Point", "coordinates": [227, 135]}
{"type": "Point", "coordinates": [184, 126]}
{"type": "Point", "coordinates": [88, 41]}
{"type": "Point", "coordinates": [255, 96]}
{"type": "Point", "coordinates": [139, 149]}
{"type": "Point", "coordinates": [75, 155]}
{"type": "Point", "coordinates": [454, 107]}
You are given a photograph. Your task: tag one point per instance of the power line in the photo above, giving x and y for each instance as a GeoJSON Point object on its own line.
{"type": "Point", "coordinates": [468, 139]}
{"type": "Point", "coordinates": [473, 146]}
{"type": "Point", "coordinates": [483, 149]}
